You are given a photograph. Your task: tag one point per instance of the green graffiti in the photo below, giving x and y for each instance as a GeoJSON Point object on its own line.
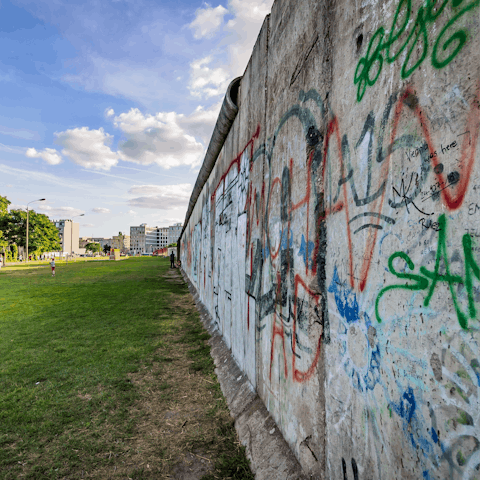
{"type": "Point", "coordinates": [389, 48]}
{"type": "Point", "coordinates": [429, 279]}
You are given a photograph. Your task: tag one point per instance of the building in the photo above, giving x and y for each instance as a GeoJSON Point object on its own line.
{"type": "Point", "coordinates": [140, 237]}
{"type": "Point", "coordinates": [145, 239]}
{"type": "Point", "coordinates": [102, 241]}
{"type": "Point", "coordinates": [68, 233]}
{"type": "Point", "coordinates": [83, 241]}
{"type": "Point", "coordinates": [174, 232]}
{"type": "Point", "coordinates": [122, 242]}
{"type": "Point", "coordinates": [162, 236]}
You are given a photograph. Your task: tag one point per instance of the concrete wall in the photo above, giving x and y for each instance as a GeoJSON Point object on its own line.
{"type": "Point", "coordinates": [336, 241]}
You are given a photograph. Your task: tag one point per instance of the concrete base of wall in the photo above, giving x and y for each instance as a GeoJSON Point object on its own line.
{"type": "Point", "coordinates": [270, 456]}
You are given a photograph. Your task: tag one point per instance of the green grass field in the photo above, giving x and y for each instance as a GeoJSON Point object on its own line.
{"type": "Point", "coordinates": [69, 345]}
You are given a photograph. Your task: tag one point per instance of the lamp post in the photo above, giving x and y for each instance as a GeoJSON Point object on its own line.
{"type": "Point", "coordinates": [40, 200]}
{"type": "Point", "coordinates": [71, 233]}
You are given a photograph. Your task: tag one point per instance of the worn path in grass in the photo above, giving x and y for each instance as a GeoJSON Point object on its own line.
{"type": "Point", "coordinates": [105, 372]}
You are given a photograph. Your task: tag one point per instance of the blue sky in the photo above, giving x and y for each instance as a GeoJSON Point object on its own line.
{"type": "Point", "coordinates": [107, 107]}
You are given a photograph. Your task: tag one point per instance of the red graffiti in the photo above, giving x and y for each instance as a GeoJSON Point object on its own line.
{"type": "Point", "coordinates": [299, 376]}
{"type": "Point", "coordinates": [278, 330]}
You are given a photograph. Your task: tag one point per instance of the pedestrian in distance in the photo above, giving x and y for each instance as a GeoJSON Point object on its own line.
{"type": "Point", "coordinates": [52, 264]}
{"type": "Point", "coordinates": [172, 260]}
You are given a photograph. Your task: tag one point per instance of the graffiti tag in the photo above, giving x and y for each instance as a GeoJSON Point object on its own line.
{"type": "Point", "coordinates": [429, 279]}
{"type": "Point", "coordinates": [389, 48]}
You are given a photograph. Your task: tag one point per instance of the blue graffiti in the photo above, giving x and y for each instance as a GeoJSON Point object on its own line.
{"type": "Point", "coordinates": [363, 377]}
{"type": "Point", "coordinates": [407, 410]}
{"type": "Point", "coordinates": [286, 236]}
{"type": "Point", "coordinates": [407, 405]}
{"type": "Point", "coordinates": [345, 299]}
{"type": "Point", "coordinates": [303, 252]}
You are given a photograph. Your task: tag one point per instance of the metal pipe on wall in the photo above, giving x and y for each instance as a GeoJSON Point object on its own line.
{"type": "Point", "coordinates": [225, 119]}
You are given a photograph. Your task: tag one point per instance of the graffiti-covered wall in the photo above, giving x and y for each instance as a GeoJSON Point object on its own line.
{"type": "Point", "coordinates": [336, 242]}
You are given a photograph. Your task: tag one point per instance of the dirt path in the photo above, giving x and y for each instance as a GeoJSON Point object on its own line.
{"type": "Point", "coordinates": [183, 426]}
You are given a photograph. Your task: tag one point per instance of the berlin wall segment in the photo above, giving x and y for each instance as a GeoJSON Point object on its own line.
{"type": "Point", "coordinates": [342, 236]}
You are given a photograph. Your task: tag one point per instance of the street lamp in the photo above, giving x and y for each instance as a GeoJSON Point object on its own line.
{"type": "Point", "coordinates": [71, 233]}
{"type": "Point", "coordinates": [40, 200]}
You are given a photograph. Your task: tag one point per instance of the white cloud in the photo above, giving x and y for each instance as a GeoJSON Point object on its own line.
{"type": "Point", "coordinates": [205, 81]}
{"type": "Point", "coordinates": [88, 148]}
{"type": "Point", "coordinates": [49, 155]}
{"type": "Point", "coordinates": [88, 225]}
{"type": "Point", "coordinates": [16, 206]}
{"type": "Point", "coordinates": [59, 212]}
{"type": "Point", "coordinates": [207, 21]}
{"type": "Point", "coordinates": [164, 197]}
{"type": "Point", "coordinates": [131, 212]}
{"type": "Point", "coordinates": [109, 112]}
{"type": "Point", "coordinates": [100, 210]}
{"type": "Point", "coordinates": [241, 33]}
{"type": "Point", "coordinates": [143, 82]}
{"type": "Point", "coordinates": [168, 139]}
{"type": "Point", "coordinates": [200, 123]}
{"type": "Point", "coordinates": [20, 133]}
{"type": "Point", "coordinates": [12, 149]}
{"type": "Point", "coordinates": [157, 139]}
{"type": "Point", "coordinates": [243, 30]}
{"type": "Point", "coordinates": [42, 177]}
{"type": "Point", "coordinates": [166, 222]}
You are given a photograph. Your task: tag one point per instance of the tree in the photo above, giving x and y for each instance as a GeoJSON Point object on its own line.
{"type": "Point", "coordinates": [106, 248]}
{"type": "Point", "coordinates": [93, 247]}
{"type": "Point", "coordinates": [42, 233]}
{"type": "Point", "coordinates": [4, 203]}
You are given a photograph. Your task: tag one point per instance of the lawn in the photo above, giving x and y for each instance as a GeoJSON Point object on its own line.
{"type": "Point", "coordinates": [82, 356]}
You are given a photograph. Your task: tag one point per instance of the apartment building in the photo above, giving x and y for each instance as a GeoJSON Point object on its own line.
{"type": "Point", "coordinates": [140, 237]}
{"type": "Point", "coordinates": [162, 237]}
{"type": "Point", "coordinates": [174, 232]}
{"type": "Point", "coordinates": [68, 233]}
{"type": "Point", "coordinates": [145, 239]}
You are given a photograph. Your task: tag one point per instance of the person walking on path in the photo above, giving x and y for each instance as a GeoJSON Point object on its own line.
{"type": "Point", "coordinates": [52, 264]}
{"type": "Point", "coordinates": [172, 260]}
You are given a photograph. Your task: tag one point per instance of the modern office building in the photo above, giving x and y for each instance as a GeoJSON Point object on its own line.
{"type": "Point", "coordinates": [68, 233]}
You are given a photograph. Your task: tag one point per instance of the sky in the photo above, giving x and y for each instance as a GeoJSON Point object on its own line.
{"type": "Point", "coordinates": [107, 107]}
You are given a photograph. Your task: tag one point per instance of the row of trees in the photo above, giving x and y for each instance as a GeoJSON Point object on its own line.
{"type": "Point", "coordinates": [42, 233]}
